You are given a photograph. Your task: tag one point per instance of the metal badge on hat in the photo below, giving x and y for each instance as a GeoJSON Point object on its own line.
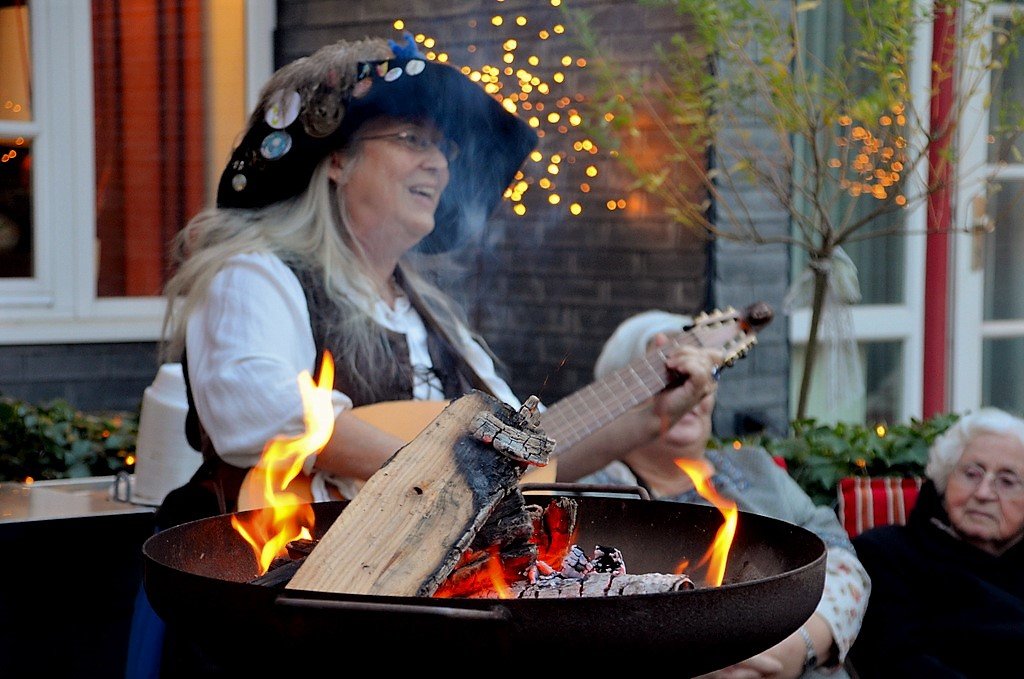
{"type": "Point", "coordinates": [282, 112]}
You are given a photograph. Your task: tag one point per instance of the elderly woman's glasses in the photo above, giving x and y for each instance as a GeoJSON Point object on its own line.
{"type": "Point", "coordinates": [1004, 484]}
{"type": "Point", "coordinates": [420, 143]}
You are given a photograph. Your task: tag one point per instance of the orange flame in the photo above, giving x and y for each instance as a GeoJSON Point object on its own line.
{"type": "Point", "coordinates": [699, 472]}
{"type": "Point", "coordinates": [283, 512]}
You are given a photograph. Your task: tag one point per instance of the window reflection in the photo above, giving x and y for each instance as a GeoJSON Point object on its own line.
{"type": "Point", "coordinates": [1004, 254]}
{"type": "Point", "coordinates": [1003, 359]}
{"type": "Point", "coordinates": [883, 386]}
{"type": "Point", "coordinates": [879, 258]}
{"type": "Point", "coordinates": [16, 238]}
{"type": "Point", "coordinates": [1007, 105]}
{"type": "Point", "coordinates": [15, 208]}
{"type": "Point", "coordinates": [16, 74]}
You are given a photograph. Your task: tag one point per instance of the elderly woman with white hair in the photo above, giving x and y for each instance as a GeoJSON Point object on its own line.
{"type": "Point", "coordinates": [750, 477]}
{"type": "Point", "coordinates": [948, 598]}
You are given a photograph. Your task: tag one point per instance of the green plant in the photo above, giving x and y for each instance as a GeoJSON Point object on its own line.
{"type": "Point", "coordinates": [818, 455]}
{"type": "Point", "coordinates": [53, 441]}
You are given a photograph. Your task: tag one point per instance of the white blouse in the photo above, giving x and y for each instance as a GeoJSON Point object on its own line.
{"type": "Point", "coordinates": [249, 340]}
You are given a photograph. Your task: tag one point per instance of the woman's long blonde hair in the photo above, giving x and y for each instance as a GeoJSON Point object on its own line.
{"type": "Point", "coordinates": [304, 233]}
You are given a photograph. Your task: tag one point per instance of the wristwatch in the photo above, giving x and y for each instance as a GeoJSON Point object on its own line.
{"type": "Point", "coordinates": [811, 657]}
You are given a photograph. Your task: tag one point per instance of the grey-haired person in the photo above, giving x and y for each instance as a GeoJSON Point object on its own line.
{"type": "Point", "coordinates": [358, 161]}
{"type": "Point", "coordinates": [949, 585]}
{"type": "Point", "coordinates": [751, 478]}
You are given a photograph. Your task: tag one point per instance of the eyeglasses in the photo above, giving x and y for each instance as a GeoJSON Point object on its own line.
{"type": "Point", "coordinates": [1004, 484]}
{"type": "Point", "coordinates": [420, 143]}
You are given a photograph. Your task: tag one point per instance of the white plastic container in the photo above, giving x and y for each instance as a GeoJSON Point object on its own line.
{"type": "Point", "coordinates": [163, 458]}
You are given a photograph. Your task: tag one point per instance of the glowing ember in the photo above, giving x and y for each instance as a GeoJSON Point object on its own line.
{"type": "Point", "coordinates": [555, 533]}
{"type": "Point", "coordinates": [282, 512]}
{"type": "Point", "coordinates": [699, 472]}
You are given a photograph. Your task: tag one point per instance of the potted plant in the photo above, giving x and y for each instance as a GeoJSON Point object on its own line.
{"type": "Point", "coordinates": [55, 441]}
{"type": "Point", "coordinates": [818, 455]}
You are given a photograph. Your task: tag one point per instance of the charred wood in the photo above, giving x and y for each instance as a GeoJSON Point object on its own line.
{"type": "Point", "coordinates": [507, 524]}
{"type": "Point", "coordinates": [441, 489]}
{"type": "Point", "coordinates": [594, 585]}
{"type": "Point", "coordinates": [300, 548]}
{"type": "Point", "coordinates": [280, 573]}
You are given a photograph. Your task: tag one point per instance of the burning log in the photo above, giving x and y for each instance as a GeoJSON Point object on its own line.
{"type": "Point", "coordinates": [599, 584]}
{"type": "Point", "coordinates": [512, 534]}
{"type": "Point", "coordinates": [445, 517]}
{"type": "Point", "coordinates": [554, 530]}
{"type": "Point", "coordinates": [603, 574]}
{"type": "Point", "coordinates": [412, 522]}
{"type": "Point", "coordinates": [511, 544]}
{"type": "Point", "coordinates": [280, 573]}
{"type": "Point", "coordinates": [476, 577]}
{"type": "Point", "coordinates": [521, 552]}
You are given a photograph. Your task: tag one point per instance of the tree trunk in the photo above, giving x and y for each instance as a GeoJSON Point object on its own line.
{"type": "Point", "coordinates": [810, 354]}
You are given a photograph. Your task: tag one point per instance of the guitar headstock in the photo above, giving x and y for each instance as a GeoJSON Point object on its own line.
{"type": "Point", "coordinates": [732, 331]}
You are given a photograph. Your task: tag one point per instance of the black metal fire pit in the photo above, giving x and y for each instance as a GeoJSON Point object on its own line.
{"type": "Point", "coordinates": [197, 578]}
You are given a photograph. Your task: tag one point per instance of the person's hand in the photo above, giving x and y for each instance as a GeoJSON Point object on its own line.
{"type": "Point", "coordinates": [761, 666]}
{"type": "Point", "coordinates": [784, 660]}
{"type": "Point", "coordinates": [697, 369]}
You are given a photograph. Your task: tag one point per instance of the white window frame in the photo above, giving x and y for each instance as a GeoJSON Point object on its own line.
{"type": "Point", "coordinates": [59, 303]}
{"type": "Point", "coordinates": [902, 323]}
{"type": "Point", "coordinates": [969, 327]}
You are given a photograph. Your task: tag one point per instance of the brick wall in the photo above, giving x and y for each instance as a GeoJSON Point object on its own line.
{"type": "Point", "coordinates": [91, 377]}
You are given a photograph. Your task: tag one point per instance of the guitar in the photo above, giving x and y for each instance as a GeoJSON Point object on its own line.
{"type": "Point", "coordinates": [583, 412]}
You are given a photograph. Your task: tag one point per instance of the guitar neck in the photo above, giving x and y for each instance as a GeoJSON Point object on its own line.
{"type": "Point", "coordinates": [583, 412]}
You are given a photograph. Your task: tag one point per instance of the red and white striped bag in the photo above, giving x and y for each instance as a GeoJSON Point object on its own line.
{"type": "Point", "coordinates": [865, 502]}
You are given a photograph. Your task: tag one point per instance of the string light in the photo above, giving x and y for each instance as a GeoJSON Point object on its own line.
{"type": "Point", "coordinates": [872, 162]}
{"type": "Point", "coordinates": [520, 85]}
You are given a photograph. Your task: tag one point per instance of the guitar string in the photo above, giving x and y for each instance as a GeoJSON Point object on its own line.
{"type": "Point", "coordinates": [602, 401]}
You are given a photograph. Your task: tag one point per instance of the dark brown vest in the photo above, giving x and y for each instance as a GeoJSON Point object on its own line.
{"type": "Point", "coordinates": [214, 488]}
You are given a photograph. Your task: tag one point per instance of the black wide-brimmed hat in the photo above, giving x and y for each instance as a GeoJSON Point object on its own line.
{"type": "Point", "coordinates": [313, 105]}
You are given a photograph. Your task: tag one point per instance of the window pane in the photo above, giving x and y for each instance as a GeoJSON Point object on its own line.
{"type": "Point", "coordinates": [1007, 107]}
{"type": "Point", "coordinates": [880, 367]}
{"type": "Point", "coordinates": [15, 208]}
{"type": "Point", "coordinates": [880, 259]}
{"type": "Point", "coordinates": [16, 73]}
{"type": "Point", "coordinates": [1002, 358]}
{"type": "Point", "coordinates": [879, 262]}
{"type": "Point", "coordinates": [884, 379]}
{"type": "Point", "coordinates": [16, 236]}
{"type": "Point", "coordinates": [1004, 254]}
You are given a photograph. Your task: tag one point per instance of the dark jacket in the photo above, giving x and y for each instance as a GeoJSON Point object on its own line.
{"type": "Point", "coordinates": [939, 607]}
